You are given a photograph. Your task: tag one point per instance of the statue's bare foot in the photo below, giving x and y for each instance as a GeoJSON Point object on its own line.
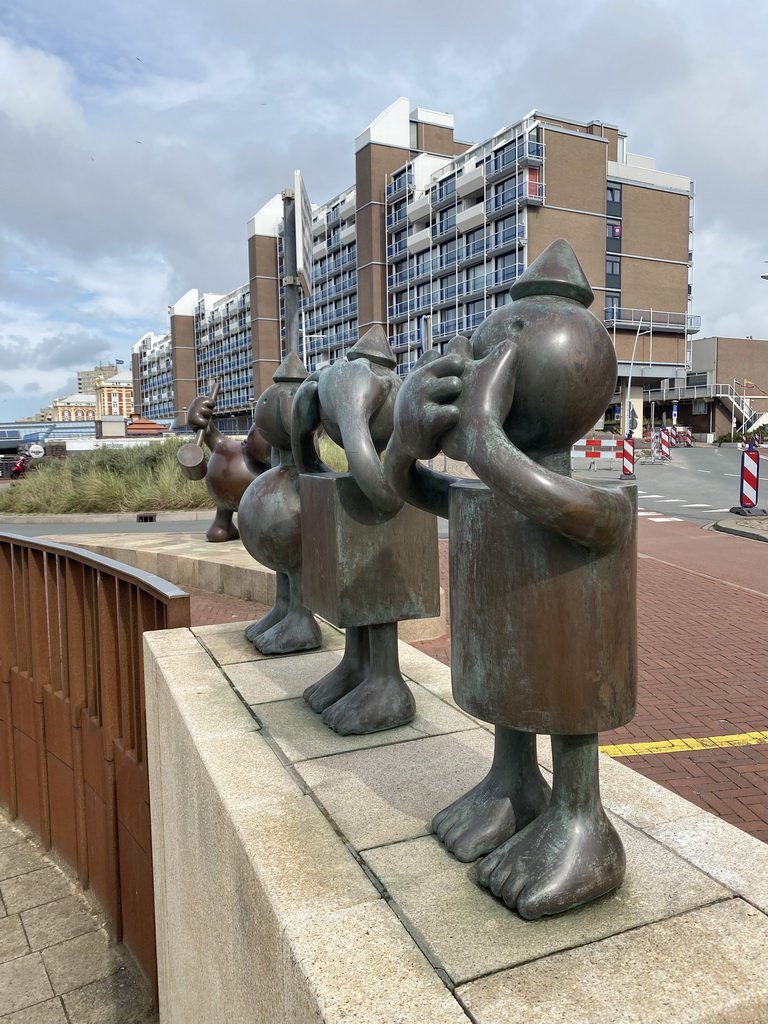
{"type": "Point", "coordinates": [275, 614]}
{"type": "Point", "coordinates": [218, 532]}
{"type": "Point", "coordinates": [297, 631]}
{"type": "Point", "coordinates": [377, 703]}
{"type": "Point", "coordinates": [490, 813]}
{"type": "Point", "coordinates": [333, 686]}
{"type": "Point", "coordinates": [264, 624]}
{"type": "Point", "coordinates": [561, 860]}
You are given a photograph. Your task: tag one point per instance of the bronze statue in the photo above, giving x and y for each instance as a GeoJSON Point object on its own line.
{"type": "Point", "coordinates": [270, 521]}
{"type": "Point", "coordinates": [230, 469]}
{"type": "Point", "coordinates": [368, 562]}
{"type": "Point", "coordinates": [543, 618]}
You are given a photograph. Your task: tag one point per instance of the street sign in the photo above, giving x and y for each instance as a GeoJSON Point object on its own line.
{"type": "Point", "coordinates": [303, 215]}
{"type": "Point", "coordinates": [674, 415]}
{"type": "Point", "coordinates": [36, 451]}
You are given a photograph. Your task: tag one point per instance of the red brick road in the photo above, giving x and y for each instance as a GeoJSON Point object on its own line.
{"type": "Point", "coordinates": [703, 660]}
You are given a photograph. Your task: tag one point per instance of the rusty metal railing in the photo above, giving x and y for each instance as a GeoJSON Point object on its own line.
{"type": "Point", "coordinates": [72, 717]}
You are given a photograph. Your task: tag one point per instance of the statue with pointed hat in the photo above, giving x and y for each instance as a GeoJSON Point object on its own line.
{"type": "Point", "coordinates": [369, 562]}
{"type": "Point", "coordinates": [542, 569]}
{"type": "Point", "coordinates": [269, 518]}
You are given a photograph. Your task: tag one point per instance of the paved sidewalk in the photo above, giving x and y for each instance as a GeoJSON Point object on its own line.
{"type": "Point", "coordinates": [58, 964]}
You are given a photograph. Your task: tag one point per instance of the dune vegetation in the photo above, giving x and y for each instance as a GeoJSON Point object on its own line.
{"type": "Point", "coordinates": [144, 478]}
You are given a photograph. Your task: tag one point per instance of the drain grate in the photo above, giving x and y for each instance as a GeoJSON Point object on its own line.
{"type": "Point", "coordinates": [146, 517]}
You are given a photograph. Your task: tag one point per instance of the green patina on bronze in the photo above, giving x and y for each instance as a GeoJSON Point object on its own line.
{"type": "Point", "coordinates": [542, 579]}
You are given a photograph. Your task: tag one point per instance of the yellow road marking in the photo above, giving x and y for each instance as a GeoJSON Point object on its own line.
{"type": "Point", "coordinates": [744, 739]}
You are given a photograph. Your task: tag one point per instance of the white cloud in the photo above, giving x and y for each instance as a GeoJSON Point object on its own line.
{"type": "Point", "coordinates": [131, 180]}
{"type": "Point", "coordinates": [35, 90]}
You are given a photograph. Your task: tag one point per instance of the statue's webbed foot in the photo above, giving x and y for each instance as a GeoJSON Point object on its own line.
{"type": "Point", "coordinates": [377, 703]}
{"type": "Point", "coordinates": [560, 861]}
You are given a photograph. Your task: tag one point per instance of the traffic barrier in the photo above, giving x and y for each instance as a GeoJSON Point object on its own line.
{"type": "Point", "coordinates": [628, 457]}
{"type": "Point", "coordinates": [597, 448]}
{"type": "Point", "coordinates": [750, 476]}
{"type": "Point", "coordinates": [664, 443]}
{"type": "Point", "coordinates": [685, 436]}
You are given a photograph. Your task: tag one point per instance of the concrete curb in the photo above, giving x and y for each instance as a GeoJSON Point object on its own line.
{"type": "Point", "coordinates": [109, 517]}
{"type": "Point", "coordinates": [737, 530]}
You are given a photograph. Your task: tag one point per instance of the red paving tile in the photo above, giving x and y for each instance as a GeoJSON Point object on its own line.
{"type": "Point", "coordinates": [703, 663]}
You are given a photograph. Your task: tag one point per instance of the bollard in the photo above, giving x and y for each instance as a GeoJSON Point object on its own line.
{"type": "Point", "coordinates": [628, 459]}
{"type": "Point", "coordinates": [748, 486]}
{"type": "Point", "coordinates": [664, 443]}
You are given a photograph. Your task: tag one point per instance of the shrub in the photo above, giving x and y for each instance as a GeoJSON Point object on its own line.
{"type": "Point", "coordinates": [142, 478]}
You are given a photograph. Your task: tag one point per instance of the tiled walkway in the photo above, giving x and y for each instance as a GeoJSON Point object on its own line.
{"type": "Point", "coordinates": [57, 962]}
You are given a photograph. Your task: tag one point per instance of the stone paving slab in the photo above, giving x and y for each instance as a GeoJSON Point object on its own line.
{"type": "Point", "coordinates": [700, 969]}
{"type": "Point", "coordinates": [54, 945]}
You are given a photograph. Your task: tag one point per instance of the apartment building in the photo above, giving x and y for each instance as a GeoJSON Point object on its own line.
{"type": "Point", "coordinates": [433, 231]}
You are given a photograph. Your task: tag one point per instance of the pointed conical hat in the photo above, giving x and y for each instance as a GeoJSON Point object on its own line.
{"type": "Point", "coordinates": [556, 271]}
{"type": "Point", "coordinates": [291, 370]}
{"type": "Point", "coordinates": [373, 346]}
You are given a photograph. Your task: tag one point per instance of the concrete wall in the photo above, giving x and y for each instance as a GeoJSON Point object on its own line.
{"type": "Point", "coordinates": [297, 882]}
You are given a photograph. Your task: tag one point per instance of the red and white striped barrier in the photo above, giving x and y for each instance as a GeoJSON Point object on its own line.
{"type": "Point", "coordinates": [628, 457]}
{"type": "Point", "coordinates": [664, 443]}
{"type": "Point", "coordinates": [597, 448]}
{"type": "Point", "coordinates": [750, 475]}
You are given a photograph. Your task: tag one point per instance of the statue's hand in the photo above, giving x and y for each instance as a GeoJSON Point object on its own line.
{"type": "Point", "coordinates": [425, 409]}
{"type": "Point", "coordinates": [200, 412]}
{"type": "Point", "coordinates": [488, 387]}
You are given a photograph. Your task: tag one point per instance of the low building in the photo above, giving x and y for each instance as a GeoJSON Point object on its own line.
{"type": "Point", "coordinates": [726, 388]}
{"type": "Point", "coordinates": [74, 408]}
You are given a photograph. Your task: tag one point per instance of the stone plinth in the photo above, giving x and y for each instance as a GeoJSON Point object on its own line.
{"type": "Point", "coordinates": [296, 879]}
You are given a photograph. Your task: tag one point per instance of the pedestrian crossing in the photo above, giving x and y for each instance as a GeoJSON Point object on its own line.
{"type": "Point", "coordinates": [660, 517]}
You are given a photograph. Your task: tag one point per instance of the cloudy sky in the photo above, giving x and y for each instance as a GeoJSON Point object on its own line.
{"type": "Point", "coordinates": [137, 139]}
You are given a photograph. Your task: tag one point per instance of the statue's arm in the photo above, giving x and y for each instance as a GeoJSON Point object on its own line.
{"type": "Point", "coordinates": [305, 419]}
{"type": "Point", "coordinates": [416, 484]}
{"type": "Point", "coordinates": [424, 412]}
{"type": "Point", "coordinates": [199, 418]}
{"type": "Point", "coordinates": [588, 515]}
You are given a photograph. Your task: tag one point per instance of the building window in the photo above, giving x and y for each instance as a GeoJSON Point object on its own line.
{"type": "Point", "coordinates": [612, 305]}
{"type": "Point", "coordinates": [613, 200]}
{"type": "Point", "coordinates": [612, 271]}
{"type": "Point", "coordinates": [613, 236]}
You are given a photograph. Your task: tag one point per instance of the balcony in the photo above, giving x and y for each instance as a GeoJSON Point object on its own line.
{"type": "Point", "coordinates": [394, 220]}
{"type": "Point", "coordinates": [393, 251]}
{"type": "Point", "coordinates": [400, 185]}
{"type": "Point", "coordinates": [446, 226]}
{"type": "Point", "coordinates": [334, 241]}
{"type": "Point", "coordinates": [443, 195]}
{"type": "Point", "coordinates": [471, 218]}
{"type": "Point", "coordinates": [418, 241]}
{"type": "Point", "coordinates": [525, 154]}
{"type": "Point", "coordinates": [333, 218]}
{"type": "Point", "coordinates": [652, 319]}
{"type": "Point", "coordinates": [472, 180]}
{"type": "Point", "coordinates": [457, 324]}
{"type": "Point", "coordinates": [418, 209]}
